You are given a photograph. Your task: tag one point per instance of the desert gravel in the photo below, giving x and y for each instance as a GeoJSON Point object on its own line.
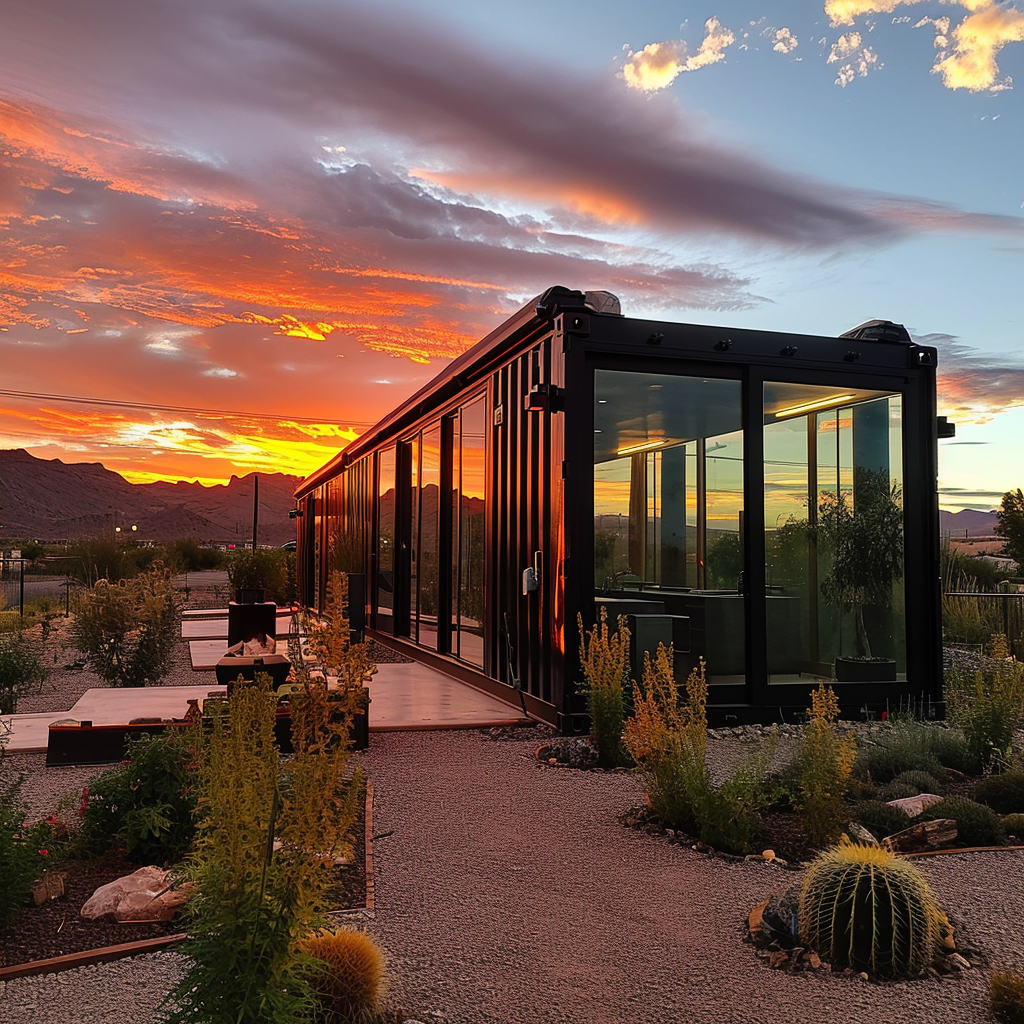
{"type": "Point", "coordinates": [507, 891]}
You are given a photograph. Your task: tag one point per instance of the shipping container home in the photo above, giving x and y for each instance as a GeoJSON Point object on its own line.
{"type": "Point", "coordinates": [765, 501]}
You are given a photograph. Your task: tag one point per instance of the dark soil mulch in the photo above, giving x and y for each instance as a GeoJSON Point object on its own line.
{"type": "Point", "coordinates": [56, 928]}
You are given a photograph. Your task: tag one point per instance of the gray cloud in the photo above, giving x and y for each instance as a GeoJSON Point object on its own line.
{"type": "Point", "coordinates": [973, 383]}
{"type": "Point", "coordinates": [254, 84]}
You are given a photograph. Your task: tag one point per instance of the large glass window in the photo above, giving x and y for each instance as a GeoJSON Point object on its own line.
{"type": "Point", "coordinates": [834, 533]}
{"type": "Point", "coordinates": [468, 642]}
{"type": "Point", "coordinates": [668, 508]}
{"type": "Point", "coordinates": [385, 583]}
{"type": "Point", "coordinates": [429, 525]}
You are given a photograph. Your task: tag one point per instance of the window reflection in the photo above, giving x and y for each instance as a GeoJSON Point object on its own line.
{"type": "Point", "coordinates": [668, 507]}
{"type": "Point", "coordinates": [468, 637]}
{"type": "Point", "coordinates": [427, 548]}
{"type": "Point", "coordinates": [386, 538]}
{"type": "Point", "coordinates": [834, 533]}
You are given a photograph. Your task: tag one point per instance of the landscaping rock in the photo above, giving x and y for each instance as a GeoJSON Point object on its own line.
{"type": "Point", "coordinates": [140, 896]}
{"type": "Point", "coordinates": [925, 835]}
{"type": "Point", "coordinates": [859, 834]}
{"type": "Point", "coordinates": [912, 806]}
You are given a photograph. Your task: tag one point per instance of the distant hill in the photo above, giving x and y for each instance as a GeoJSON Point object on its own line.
{"type": "Point", "coordinates": [968, 522]}
{"type": "Point", "coordinates": [49, 500]}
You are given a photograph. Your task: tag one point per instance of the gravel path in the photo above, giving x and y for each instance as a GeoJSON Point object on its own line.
{"type": "Point", "coordinates": [507, 892]}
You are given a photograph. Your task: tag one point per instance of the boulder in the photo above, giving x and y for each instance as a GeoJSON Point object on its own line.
{"type": "Point", "coordinates": [912, 806]}
{"type": "Point", "coordinates": [140, 896]}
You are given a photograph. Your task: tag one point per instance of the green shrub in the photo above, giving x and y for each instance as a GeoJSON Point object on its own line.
{"type": "Point", "coordinates": [864, 908]}
{"type": "Point", "coordinates": [896, 791]}
{"type": "Point", "coordinates": [920, 782]}
{"type": "Point", "coordinates": [264, 569]}
{"type": "Point", "coordinates": [604, 658]}
{"type": "Point", "coordinates": [1013, 825]}
{"type": "Point", "coordinates": [186, 555]}
{"type": "Point", "coordinates": [912, 747]}
{"type": "Point", "coordinates": [951, 750]}
{"type": "Point", "coordinates": [823, 764]}
{"type": "Point", "coordinates": [25, 851]}
{"type": "Point", "coordinates": [348, 976]}
{"type": "Point", "coordinates": [987, 704]}
{"type": "Point", "coordinates": [668, 740]}
{"type": "Point", "coordinates": [1006, 996]}
{"type": "Point", "coordinates": [976, 824]}
{"type": "Point", "coordinates": [127, 631]}
{"type": "Point", "coordinates": [21, 668]}
{"type": "Point", "coordinates": [146, 805]}
{"type": "Point", "coordinates": [880, 819]}
{"type": "Point", "coordinates": [730, 814]}
{"type": "Point", "coordinates": [1003, 793]}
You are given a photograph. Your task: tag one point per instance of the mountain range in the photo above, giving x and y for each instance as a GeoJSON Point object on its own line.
{"type": "Point", "coordinates": [968, 522]}
{"type": "Point", "coordinates": [50, 500]}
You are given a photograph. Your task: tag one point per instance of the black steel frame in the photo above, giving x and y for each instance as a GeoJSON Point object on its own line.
{"type": "Point", "coordinates": [537, 371]}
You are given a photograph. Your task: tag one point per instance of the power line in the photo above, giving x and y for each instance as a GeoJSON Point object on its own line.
{"type": "Point", "coordinates": [191, 410]}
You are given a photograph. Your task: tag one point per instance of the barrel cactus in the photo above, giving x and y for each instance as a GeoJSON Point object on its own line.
{"type": "Point", "coordinates": [865, 908]}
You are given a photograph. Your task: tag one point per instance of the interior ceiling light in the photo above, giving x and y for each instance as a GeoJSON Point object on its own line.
{"type": "Point", "coordinates": [821, 403]}
{"type": "Point", "coordinates": [642, 447]}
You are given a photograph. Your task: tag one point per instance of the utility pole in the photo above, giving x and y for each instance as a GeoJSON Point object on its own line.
{"type": "Point", "coordinates": [255, 507]}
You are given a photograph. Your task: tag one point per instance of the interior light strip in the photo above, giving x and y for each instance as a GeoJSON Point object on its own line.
{"type": "Point", "coordinates": [646, 446]}
{"type": "Point", "coordinates": [811, 406]}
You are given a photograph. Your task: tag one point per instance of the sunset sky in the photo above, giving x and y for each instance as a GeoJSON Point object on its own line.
{"type": "Point", "coordinates": [235, 233]}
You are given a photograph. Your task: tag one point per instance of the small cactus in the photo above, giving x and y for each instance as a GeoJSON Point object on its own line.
{"type": "Point", "coordinates": [351, 985]}
{"type": "Point", "coordinates": [865, 908]}
{"type": "Point", "coordinates": [1006, 996]}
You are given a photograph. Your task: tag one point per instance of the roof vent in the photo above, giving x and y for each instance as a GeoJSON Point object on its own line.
{"type": "Point", "coordinates": [603, 302]}
{"type": "Point", "coordinates": [559, 299]}
{"type": "Point", "coordinates": [879, 330]}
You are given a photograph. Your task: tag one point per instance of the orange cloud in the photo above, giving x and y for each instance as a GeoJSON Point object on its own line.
{"type": "Point", "coordinates": [845, 12]}
{"type": "Point", "coordinates": [160, 448]}
{"type": "Point", "coordinates": [976, 42]}
{"type": "Point", "coordinates": [658, 65]}
{"type": "Point", "coordinates": [968, 54]}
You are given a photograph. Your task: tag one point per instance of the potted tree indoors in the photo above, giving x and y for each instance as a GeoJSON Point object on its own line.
{"type": "Point", "coordinates": [865, 542]}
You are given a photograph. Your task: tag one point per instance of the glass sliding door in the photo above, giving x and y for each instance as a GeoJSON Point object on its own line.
{"type": "Point", "coordinates": [668, 511]}
{"type": "Point", "coordinates": [834, 533]}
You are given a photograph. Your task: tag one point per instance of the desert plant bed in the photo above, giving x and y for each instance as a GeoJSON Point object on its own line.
{"type": "Point", "coordinates": [57, 928]}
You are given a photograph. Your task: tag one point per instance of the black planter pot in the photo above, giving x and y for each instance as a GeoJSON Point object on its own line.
{"type": "Point", "coordinates": [865, 670]}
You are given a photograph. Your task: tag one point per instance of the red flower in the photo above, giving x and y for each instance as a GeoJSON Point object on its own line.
{"type": "Point", "coordinates": [51, 819]}
{"type": "Point", "coordinates": [43, 853]}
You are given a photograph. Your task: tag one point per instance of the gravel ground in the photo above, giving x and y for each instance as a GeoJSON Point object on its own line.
{"type": "Point", "coordinates": [507, 891]}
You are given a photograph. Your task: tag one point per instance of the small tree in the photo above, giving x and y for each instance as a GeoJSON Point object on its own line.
{"type": "Point", "coordinates": [1010, 526]}
{"type": "Point", "coordinates": [127, 630]}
